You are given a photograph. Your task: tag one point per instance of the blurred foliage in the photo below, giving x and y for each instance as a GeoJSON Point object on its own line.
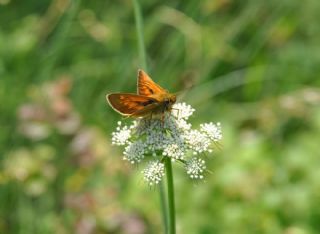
{"type": "Point", "coordinates": [253, 65]}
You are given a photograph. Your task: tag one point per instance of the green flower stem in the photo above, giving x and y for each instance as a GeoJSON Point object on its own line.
{"type": "Point", "coordinates": [143, 64]}
{"type": "Point", "coordinates": [170, 189]}
{"type": "Point", "coordinates": [164, 209]}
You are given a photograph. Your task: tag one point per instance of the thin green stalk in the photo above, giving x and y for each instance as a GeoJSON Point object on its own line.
{"type": "Point", "coordinates": [143, 64]}
{"type": "Point", "coordinates": [172, 218]}
{"type": "Point", "coordinates": [164, 209]}
{"type": "Point", "coordinates": [139, 28]}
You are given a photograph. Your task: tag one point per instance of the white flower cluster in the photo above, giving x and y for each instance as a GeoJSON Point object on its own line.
{"type": "Point", "coordinates": [154, 172]}
{"type": "Point", "coordinates": [213, 131]}
{"type": "Point", "coordinates": [169, 136]}
{"type": "Point", "coordinates": [134, 152]}
{"type": "Point", "coordinates": [122, 135]}
{"type": "Point", "coordinates": [195, 168]}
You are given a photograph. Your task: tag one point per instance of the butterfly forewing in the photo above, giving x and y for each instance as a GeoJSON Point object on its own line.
{"type": "Point", "coordinates": [147, 87]}
{"type": "Point", "coordinates": [129, 104]}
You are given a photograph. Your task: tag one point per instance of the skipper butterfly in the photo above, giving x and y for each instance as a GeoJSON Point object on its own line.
{"type": "Point", "coordinates": [151, 99]}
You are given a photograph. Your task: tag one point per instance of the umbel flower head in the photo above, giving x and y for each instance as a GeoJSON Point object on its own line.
{"type": "Point", "coordinates": [153, 139]}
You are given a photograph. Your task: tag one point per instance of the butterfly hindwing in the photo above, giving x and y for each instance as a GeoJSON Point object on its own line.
{"type": "Point", "coordinates": [129, 104]}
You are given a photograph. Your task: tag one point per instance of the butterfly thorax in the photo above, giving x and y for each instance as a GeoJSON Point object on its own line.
{"type": "Point", "coordinates": [165, 101]}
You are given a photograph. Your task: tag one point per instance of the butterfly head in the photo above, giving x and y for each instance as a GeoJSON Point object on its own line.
{"type": "Point", "coordinates": [169, 100]}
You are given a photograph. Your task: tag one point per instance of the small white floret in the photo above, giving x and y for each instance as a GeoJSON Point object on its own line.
{"type": "Point", "coordinates": [121, 135]}
{"type": "Point", "coordinates": [213, 131]}
{"type": "Point", "coordinates": [134, 152]}
{"type": "Point", "coordinates": [195, 168]}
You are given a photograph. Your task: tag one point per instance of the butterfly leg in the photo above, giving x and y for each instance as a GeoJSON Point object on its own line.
{"type": "Point", "coordinates": [150, 119]}
{"type": "Point", "coordinates": [162, 119]}
{"type": "Point", "coordinates": [178, 110]}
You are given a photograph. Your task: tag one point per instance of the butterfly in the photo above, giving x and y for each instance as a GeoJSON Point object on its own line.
{"type": "Point", "coordinates": [151, 99]}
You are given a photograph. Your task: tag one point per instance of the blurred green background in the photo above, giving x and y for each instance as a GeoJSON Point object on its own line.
{"type": "Point", "coordinates": [252, 65]}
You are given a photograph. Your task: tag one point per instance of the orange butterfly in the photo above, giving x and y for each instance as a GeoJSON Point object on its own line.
{"type": "Point", "coordinates": [150, 99]}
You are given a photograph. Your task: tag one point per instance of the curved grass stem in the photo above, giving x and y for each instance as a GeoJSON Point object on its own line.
{"type": "Point", "coordinates": [139, 28]}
